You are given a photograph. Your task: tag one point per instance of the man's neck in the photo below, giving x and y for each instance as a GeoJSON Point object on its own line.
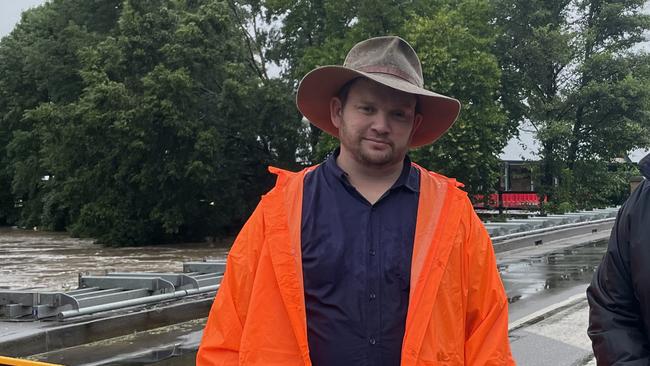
{"type": "Point", "coordinates": [371, 181]}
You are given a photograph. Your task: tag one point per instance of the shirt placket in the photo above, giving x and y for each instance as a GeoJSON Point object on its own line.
{"type": "Point", "coordinates": [373, 293]}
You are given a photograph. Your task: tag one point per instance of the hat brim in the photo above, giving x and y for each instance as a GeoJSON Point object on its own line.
{"type": "Point", "coordinates": [439, 112]}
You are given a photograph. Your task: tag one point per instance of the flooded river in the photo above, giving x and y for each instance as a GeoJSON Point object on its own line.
{"type": "Point", "coordinates": [52, 261]}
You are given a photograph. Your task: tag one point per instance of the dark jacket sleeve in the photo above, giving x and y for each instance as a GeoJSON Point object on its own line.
{"type": "Point", "coordinates": [619, 294]}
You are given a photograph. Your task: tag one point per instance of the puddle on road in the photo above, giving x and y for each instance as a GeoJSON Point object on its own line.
{"type": "Point", "coordinates": [551, 272]}
{"type": "Point", "coordinates": [52, 261]}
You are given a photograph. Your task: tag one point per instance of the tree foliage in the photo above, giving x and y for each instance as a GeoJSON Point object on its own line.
{"type": "Point", "coordinates": [39, 65]}
{"type": "Point", "coordinates": [457, 59]}
{"type": "Point", "coordinates": [569, 68]}
{"type": "Point", "coordinates": [149, 121]}
{"type": "Point", "coordinates": [167, 137]}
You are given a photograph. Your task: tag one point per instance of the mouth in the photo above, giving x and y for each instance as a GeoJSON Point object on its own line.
{"type": "Point", "coordinates": [377, 141]}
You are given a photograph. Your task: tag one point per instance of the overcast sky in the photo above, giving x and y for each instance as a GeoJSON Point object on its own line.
{"type": "Point", "coordinates": [10, 11]}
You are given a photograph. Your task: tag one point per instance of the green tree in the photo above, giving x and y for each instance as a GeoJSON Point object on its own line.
{"type": "Point", "coordinates": [161, 131]}
{"type": "Point", "coordinates": [569, 69]}
{"type": "Point", "coordinates": [455, 47]}
{"type": "Point", "coordinates": [39, 65]}
{"type": "Point", "coordinates": [177, 126]}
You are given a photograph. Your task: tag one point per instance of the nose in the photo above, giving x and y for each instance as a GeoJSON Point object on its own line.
{"type": "Point", "coordinates": [381, 123]}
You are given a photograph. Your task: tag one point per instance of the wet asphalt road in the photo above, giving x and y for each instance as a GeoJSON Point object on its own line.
{"type": "Point", "coordinates": [534, 282]}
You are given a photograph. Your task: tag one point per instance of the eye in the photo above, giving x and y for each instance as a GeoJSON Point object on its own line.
{"type": "Point", "coordinates": [400, 114]}
{"type": "Point", "coordinates": [366, 109]}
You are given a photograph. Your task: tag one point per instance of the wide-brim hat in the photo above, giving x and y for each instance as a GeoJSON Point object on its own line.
{"type": "Point", "coordinates": [390, 61]}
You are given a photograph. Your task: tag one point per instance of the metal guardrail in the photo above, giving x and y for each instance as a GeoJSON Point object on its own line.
{"type": "Point", "coordinates": [112, 291]}
{"type": "Point", "coordinates": [500, 230]}
{"type": "Point", "coordinates": [588, 231]}
{"type": "Point", "coordinates": [500, 238]}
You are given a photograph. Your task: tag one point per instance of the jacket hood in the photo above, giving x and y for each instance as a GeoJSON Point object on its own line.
{"type": "Point", "coordinates": [644, 166]}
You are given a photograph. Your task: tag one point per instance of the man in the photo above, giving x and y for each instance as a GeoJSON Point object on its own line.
{"type": "Point", "coordinates": [619, 294]}
{"type": "Point", "coordinates": [366, 259]}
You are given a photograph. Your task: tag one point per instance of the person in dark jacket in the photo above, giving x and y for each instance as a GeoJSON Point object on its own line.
{"type": "Point", "coordinates": [619, 294]}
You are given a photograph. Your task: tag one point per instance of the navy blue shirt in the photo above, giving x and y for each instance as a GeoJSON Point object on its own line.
{"type": "Point", "coordinates": [356, 261]}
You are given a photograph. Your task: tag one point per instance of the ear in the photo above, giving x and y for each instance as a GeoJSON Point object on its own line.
{"type": "Point", "coordinates": [417, 121]}
{"type": "Point", "coordinates": [336, 111]}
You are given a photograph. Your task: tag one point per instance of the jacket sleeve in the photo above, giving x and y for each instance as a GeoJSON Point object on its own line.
{"type": "Point", "coordinates": [615, 321]}
{"type": "Point", "coordinates": [486, 329]}
{"type": "Point", "coordinates": [223, 331]}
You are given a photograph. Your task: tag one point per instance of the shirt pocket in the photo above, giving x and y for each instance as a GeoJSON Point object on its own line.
{"type": "Point", "coordinates": [397, 250]}
{"type": "Point", "coordinates": [323, 263]}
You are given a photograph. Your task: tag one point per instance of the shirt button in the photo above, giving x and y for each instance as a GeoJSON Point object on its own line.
{"type": "Point", "coordinates": [373, 296]}
{"type": "Point", "coordinates": [372, 340]}
{"type": "Point", "coordinates": [372, 252]}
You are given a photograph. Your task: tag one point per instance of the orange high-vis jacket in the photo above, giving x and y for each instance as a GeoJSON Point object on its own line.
{"type": "Point", "coordinates": [457, 312]}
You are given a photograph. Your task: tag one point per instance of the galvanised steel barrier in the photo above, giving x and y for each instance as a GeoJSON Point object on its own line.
{"type": "Point", "coordinates": [112, 291]}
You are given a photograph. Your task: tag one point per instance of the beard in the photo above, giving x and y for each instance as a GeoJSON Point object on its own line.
{"type": "Point", "coordinates": [376, 157]}
{"type": "Point", "coordinates": [371, 150]}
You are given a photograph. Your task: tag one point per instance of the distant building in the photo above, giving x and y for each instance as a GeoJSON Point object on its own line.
{"type": "Point", "coordinates": [516, 184]}
{"type": "Point", "coordinates": [522, 152]}
{"type": "Point", "coordinates": [517, 157]}
{"type": "Point", "coordinates": [636, 155]}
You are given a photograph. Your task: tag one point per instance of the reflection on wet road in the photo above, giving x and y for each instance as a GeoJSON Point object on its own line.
{"type": "Point", "coordinates": [545, 278]}
{"type": "Point", "coordinates": [52, 261]}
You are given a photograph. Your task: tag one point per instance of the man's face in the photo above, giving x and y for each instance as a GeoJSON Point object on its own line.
{"type": "Point", "coordinates": [376, 123]}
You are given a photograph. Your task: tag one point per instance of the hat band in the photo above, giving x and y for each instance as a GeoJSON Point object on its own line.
{"type": "Point", "coordinates": [390, 71]}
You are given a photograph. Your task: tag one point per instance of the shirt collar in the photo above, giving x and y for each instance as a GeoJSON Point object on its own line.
{"type": "Point", "coordinates": [409, 178]}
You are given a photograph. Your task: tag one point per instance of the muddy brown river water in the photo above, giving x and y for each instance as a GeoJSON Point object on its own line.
{"type": "Point", "coordinates": [52, 261]}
